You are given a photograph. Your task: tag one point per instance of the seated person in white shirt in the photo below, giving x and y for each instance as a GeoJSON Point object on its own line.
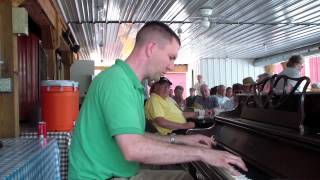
{"type": "Point", "coordinates": [294, 67]}
{"type": "Point", "coordinates": [229, 92]}
{"type": "Point", "coordinates": [221, 91]}
{"type": "Point", "coordinates": [233, 102]}
{"type": "Point", "coordinates": [206, 101]}
{"type": "Point", "coordinates": [163, 112]}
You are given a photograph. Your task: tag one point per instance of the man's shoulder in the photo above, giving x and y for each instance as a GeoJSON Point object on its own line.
{"type": "Point", "coordinates": [114, 72]}
{"type": "Point", "coordinates": [113, 76]}
{"type": "Point", "coordinates": [198, 98]}
{"type": "Point", "coordinates": [154, 96]}
{"type": "Point", "coordinates": [170, 100]}
{"type": "Point", "coordinates": [291, 72]}
{"type": "Point", "coordinates": [214, 97]}
{"type": "Point", "coordinates": [156, 101]}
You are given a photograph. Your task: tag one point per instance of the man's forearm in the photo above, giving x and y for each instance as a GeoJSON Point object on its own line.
{"type": "Point", "coordinates": [162, 122]}
{"type": "Point", "coordinates": [148, 150]}
{"type": "Point", "coordinates": [141, 148]}
{"type": "Point", "coordinates": [171, 153]}
{"type": "Point", "coordinates": [180, 139]}
{"type": "Point", "coordinates": [158, 137]}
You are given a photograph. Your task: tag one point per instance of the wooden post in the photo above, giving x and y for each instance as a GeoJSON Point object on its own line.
{"type": "Point", "coordinates": [9, 102]}
{"type": "Point", "coordinates": [51, 41]}
{"type": "Point", "coordinates": [51, 65]}
{"type": "Point", "coordinates": [67, 60]}
{"type": "Point", "coordinates": [66, 69]}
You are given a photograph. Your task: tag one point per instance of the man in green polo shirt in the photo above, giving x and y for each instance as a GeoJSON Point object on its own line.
{"type": "Point", "coordinates": [109, 139]}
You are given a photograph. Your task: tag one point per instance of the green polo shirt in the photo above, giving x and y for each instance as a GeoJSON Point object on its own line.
{"type": "Point", "coordinates": [113, 105]}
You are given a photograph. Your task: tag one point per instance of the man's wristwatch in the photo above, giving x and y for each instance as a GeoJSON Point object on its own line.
{"type": "Point", "coordinates": [173, 138]}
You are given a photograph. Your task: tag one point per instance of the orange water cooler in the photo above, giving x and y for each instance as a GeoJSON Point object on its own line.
{"type": "Point", "coordinates": [59, 104]}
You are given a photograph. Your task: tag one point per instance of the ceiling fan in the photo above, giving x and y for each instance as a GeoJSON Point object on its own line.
{"type": "Point", "coordinates": [206, 18]}
{"type": "Point", "coordinates": [205, 14]}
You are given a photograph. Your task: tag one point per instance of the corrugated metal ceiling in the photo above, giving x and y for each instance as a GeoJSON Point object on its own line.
{"type": "Point", "coordinates": [239, 29]}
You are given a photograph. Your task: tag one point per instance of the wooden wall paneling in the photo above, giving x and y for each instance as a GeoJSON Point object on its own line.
{"type": "Point", "coordinates": [9, 102]}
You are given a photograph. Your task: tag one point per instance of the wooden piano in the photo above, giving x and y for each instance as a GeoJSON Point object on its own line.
{"type": "Point", "coordinates": [276, 134]}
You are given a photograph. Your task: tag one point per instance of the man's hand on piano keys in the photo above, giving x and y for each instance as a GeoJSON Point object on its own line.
{"type": "Point", "coordinates": [197, 140]}
{"type": "Point", "coordinates": [223, 159]}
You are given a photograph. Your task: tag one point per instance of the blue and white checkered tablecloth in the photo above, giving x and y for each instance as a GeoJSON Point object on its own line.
{"type": "Point", "coordinates": [29, 159]}
{"type": "Point", "coordinates": [64, 140]}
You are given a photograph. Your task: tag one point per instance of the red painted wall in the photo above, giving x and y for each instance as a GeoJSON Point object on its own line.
{"type": "Point", "coordinates": [278, 68]}
{"type": "Point", "coordinates": [28, 60]}
{"type": "Point", "coordinates": [178, 79]}
{"type": "Point", "coordinates": [314, 69]}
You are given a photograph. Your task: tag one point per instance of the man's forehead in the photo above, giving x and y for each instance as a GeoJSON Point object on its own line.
{"type": "Point", "coordinates": [164, 84]}
{"type": "Point", "coordinates": [174, 43]}
{"type": "Point", "coordinates": [205, 87]}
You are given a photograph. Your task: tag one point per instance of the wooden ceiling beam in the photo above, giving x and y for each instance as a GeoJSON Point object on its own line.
{"type": "Point", "coordinates": [16, 3]}
{"type": "Point", "coordinates": [46, 15]}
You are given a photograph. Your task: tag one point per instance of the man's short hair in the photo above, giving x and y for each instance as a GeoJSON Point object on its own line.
{"type": "Point", "coordinates": [155, 26]}
{"type": "Point", "coordinates": [237, 88]}
{"type": "Point", "coordinates": [221, 86]}
{"type": "Point", "coordinates": [264, 75]}
{"type": "Point", "coordinates": [163, 80]}
{"type": "Point", "coordinates": [295, 59]}
{"type": "Point", "coordinates": [213, 90]}
{"type": "Point", "coordinates": [203, 86]}
{"type": "Point", "coordinates": [247, 81]}
{"type": "Point", "coordinates": [179, 88]}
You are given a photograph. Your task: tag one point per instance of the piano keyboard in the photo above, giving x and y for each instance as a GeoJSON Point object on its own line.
{"type": "Point", "coordinates": [226, 175]}
{"type": "Point", "coordinates": [241, 177]}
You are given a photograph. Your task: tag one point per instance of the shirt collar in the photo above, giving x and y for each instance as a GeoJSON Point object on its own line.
{"type": "Point", "coordinates": [155, 94]}
{"type": "Point", "coordinates": [130, 73]}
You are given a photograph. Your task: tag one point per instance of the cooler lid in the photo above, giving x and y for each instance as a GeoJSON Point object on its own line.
{"type": "Point", "coordinates": [59, 83]}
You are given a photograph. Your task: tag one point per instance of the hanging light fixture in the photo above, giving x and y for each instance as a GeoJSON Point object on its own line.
{"type": "Point", "coordinates": [205, 23]}
{"type": "Point", "coordinates": [205, 13]}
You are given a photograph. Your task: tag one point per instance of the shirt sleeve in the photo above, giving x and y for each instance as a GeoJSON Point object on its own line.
{"type": "Point", "coordinates": [214, 102]}
{"type": "Point", "coordinates": [154, 108]}
{"type": "Point", "coordinates": [121, 109]}
{"type": "Point", "coordinates": [228, 105]}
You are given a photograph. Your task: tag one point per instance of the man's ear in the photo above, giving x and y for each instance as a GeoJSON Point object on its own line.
{"type": "Point", "coordinates": [150, 48]}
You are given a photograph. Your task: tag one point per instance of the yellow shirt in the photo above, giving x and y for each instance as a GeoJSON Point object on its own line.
{"type": "Point", "coordinates": [156, 106]}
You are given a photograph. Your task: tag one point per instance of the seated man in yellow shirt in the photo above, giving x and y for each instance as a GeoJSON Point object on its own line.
{"type": "Point", "coordinates": [163, 111]}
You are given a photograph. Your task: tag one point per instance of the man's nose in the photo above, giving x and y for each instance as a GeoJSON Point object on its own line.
{"type": "Point", "coordinates": [170, 67]}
